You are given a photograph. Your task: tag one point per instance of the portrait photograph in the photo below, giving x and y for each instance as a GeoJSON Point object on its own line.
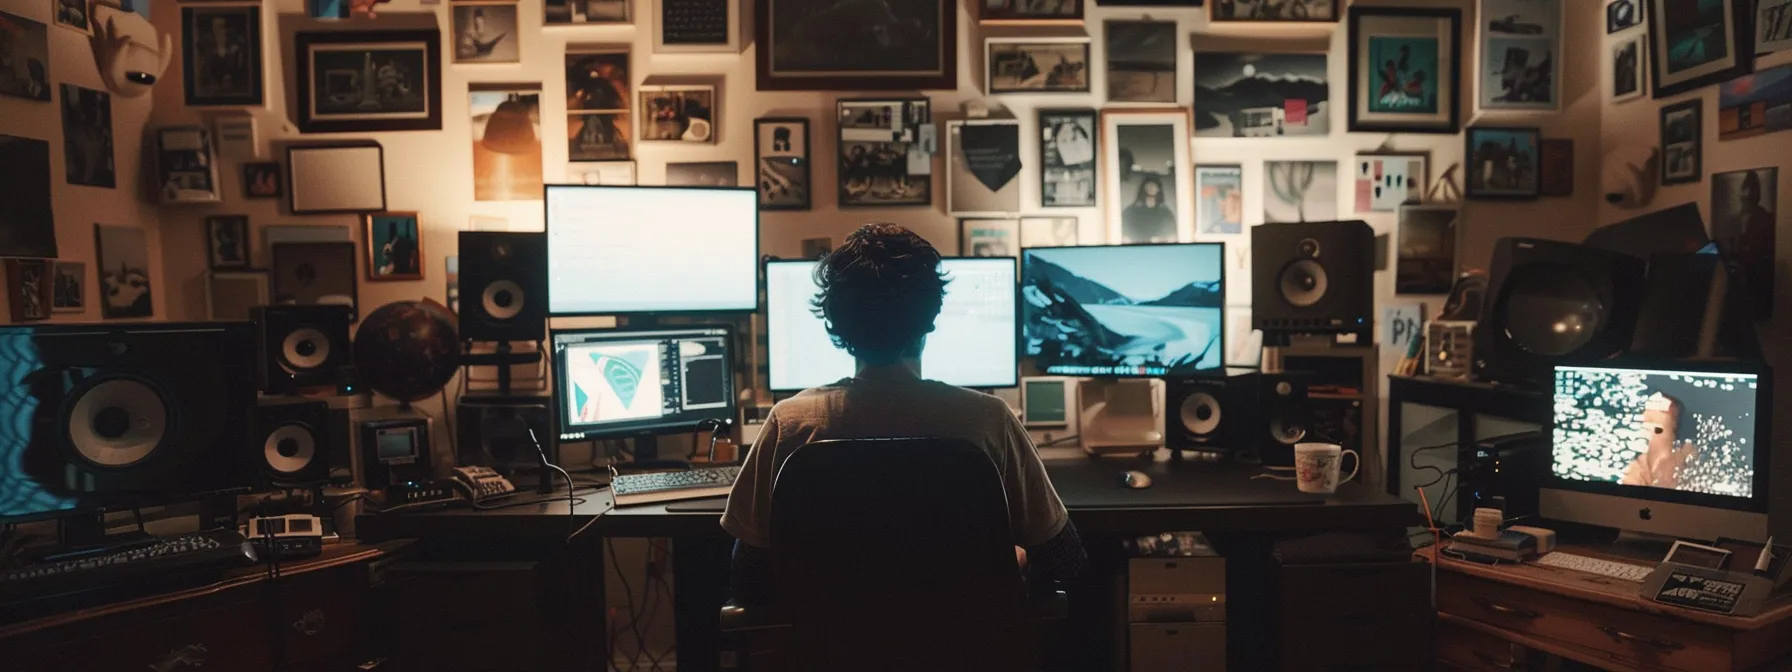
{"type": "Point", "coordinates": [1426, 259]}
{"type": "Point", "coordinates": [1627, 69]}
{"type": "Point", "coordinates": [1503, 163]}
{"type": "Point", "coordinates": [828, 45]}
{"type": "Point", "coordinates": [123, 265]}
{"type": "Point", "coordinates": [989, 238]}
{"type": "Point", "coordinates": [75, 15]}
{"type": "Point", "coordinates": [506, 142]}
{"type": "Point", "coordinates": [1744, 206]}
{"type": "Point", "coordinates": [1141, 61]}
{"type": "Point", "coordinates": [1030, 11]}
{"type": "Point", "coordinates": [1273, 10]}
{"type": "Point", "coordinates": [222, 62]}
{"type": "Point", "coordinates": [1147, 194]}
{"type": "Point", "coordinates": [679, 114]}
{"type": "Point", "coordinates": [24, 58]}
{"type": "Point", "coordinates": [580, 12]}
{"type": "Point", "coordinates": [227, 242]}
{"type": "Point", "coordinates": [1261, 95]}
{"type": "Point", "coordinates": [1682, 131]}
{"type": "Point", "coordinates": [878, 166]}
{"type": "Point", "coordinates": [1521, 54]}
{"type": "Point", "coordinates": [703, 174]}
{"type": "Point", "coordinates": [1067, 158]}
{"type": "Point", "coordinates": [1384, 182]}
{"type": "Point", "coordinates": [87, 151]}
{"type": "Point", "coordinates": [486, 33]}
{"type": "Point", "coordinates": [394, 246]}
{"type": "Point", "coordinates": [366, 81]}
{"type": "Point", "coordinates": [1049, 232]}
{"type": "Point", "coordinates": [1219, 200]}
{"type": "Point", "coordinates": [28, 289]}
{"type": "Point", "coordinates": [261, 179]}
{"type": "Point", "coordinates": [27, 220]}
{"type": "Point", "coordinates": [1773, 26]}
{"type": "Point", "coordinates": [983, 167]}
{"type": "Point", "coordinates": [1697, 43]}
{"type": "Point", "coordinates": [598, 99]}
{"type": "Point", "coordinates": [1621, 15]}
{"type": "Point", "coordinates": [1300, 191]}
{"type": "Point", "coordinates": [1036, 66]}
{"type": "Point", "coordinates": [69, 293]}
{"type": "Point", "coordinates": [1403, 70]}
{"type": "Point", "coordinates": [1755, 104]}
{"type": "Point", "coordinates": [781, 153]}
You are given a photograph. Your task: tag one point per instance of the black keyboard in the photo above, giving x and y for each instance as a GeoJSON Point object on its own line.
{"type": "Point", "coordinates": [631, 489]}
{"type": "Point", "coordinates": [200, 552]}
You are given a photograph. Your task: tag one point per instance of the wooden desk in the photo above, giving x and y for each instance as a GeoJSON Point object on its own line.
{"type": "Point", "coordinates": [1501, 617]}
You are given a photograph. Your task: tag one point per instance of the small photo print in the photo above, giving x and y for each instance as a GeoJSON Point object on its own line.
{"type": "Point", "coordinates": [227, 242]}
{"type": "Point", "coordinates": [1038, 67]}
{"type": "Point", "coordinates": [486, 33]}
{"type": "Point", "coordinates": [28, 289]}
{"type": "Point", "coordinates": [1386, 182]}
{"type": "Point", "coordinates": [703, 174]}
{"type": "Point", "coordinates": [1426, 261]}
{"type": "Point", "coordinates": [394, 246]}
{"type": "Point", "coordinates": [124, 272]}
{"type": "Point", "coordinates": [681, 115]}
{"type": "Point", "coordinates": [87, 137]}
{"type": "Point", "coordinates": [1219, 200]}
{"type": "Point", "coordinates": [576, 12]}
{"type": "Point", "coordinates": [1067, 155]}
{"type": "Point", "coordinates": [783, 173]}
{"type": "Point", "coordinates": [262, 180]}
{"type": "Point", "coordinates": [1141, 61]}
{"type": "Point", "coordinates": [604, 173]}
{"type": "Point", "coordinates": [1300, 191]}
{"type": "Point", "coordinates": [70, 292]}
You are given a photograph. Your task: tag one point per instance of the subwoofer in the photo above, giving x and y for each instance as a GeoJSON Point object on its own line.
{"type": "Point", "coordinates": [503, 286]}
{"type": "Point", "coordinates": [294, 448]}
{"type": "Point", "coordinates": [1212, 415]}
{"type": "Point", "coordinates": [1313, 278]}
{"type": "Point", "coordinates": [1552, 302]}
{"type": "Point", "coordinates": [493, 431]}
{"type": "Point", "coordinates": [301, 346]}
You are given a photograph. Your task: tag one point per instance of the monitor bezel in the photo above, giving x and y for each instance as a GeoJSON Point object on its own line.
{"type": "Point", "coordinates": [1020, 317]}
{"type": "Point", "coordinates": [556, 393]}
{"type": "Point", "coordinates": [758, 225]}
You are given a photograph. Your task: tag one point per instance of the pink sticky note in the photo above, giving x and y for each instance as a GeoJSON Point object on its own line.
{"type": "Point", "coordinates": [1295, 109]}
{"type": "Point", "coordinates": [1364, 199]}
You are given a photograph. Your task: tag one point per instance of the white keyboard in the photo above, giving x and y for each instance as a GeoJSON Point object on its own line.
{"type": "Point", "coordinates": [1581, 563]}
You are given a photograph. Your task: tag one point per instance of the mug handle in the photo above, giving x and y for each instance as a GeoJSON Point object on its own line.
{"type": "Point", "coordinates": [1355, 466]}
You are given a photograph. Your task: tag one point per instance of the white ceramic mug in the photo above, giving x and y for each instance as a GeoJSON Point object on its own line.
{"type": "Point", "coordinates": [1316, 467]}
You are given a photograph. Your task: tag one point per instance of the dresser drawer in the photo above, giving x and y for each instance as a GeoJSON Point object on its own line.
{"type": "Point", "coordinates": [1466, 649]}
{"type": "Point", "coordinates": [320, 626]}
{"type": "Point", "coordinates": [1596, 631]}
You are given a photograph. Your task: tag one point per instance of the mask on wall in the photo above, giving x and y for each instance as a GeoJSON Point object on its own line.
{"type": "Point", "coordinates": [129, 56]}
{"type": "Point", "coordinates": [1631, 175]}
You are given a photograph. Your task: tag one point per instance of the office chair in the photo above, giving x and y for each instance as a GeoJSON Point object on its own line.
{"type": "Point", "coordinates": [896, 555]}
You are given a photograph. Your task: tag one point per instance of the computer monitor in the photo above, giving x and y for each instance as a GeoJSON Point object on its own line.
{"type": "Point", "coordinates": [1678, 450]}
{"type": "Point", "coordinates": [1124, 311]}
{"type": "Point", "coordinates": [616, 383]}
{"type": "Point", "coordinates": [632, 250]}
{"type": "Point", "coordinates": [972, 344]}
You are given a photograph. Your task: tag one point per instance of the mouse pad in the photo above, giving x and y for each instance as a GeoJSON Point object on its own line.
{"type": "Point", "coordinates": [715, 504]}
{"type": "Point", "coordinates": [1093, 484]}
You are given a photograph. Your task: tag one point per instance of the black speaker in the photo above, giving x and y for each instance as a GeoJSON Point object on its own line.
{"type": "Point", "coordinates": [301, 346]}
{"type": "Point", "coordinates": [1287, 419]}
{"type": "Point", "coordinates": [494, 432]}
{"type": "Point", "coordinates": [503, 286]}
{"type": "Point", "coordinates": [1313, 278]}
{"type": "Point", "coordinates": [1218, 414]}
{"type": "Point", "coordinates": [1553, 302]}
{"type": "Point", "coordinates": [294, 441]}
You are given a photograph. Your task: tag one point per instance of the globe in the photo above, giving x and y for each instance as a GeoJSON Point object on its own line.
{"type": "Point", "coordinates": [407, 350]}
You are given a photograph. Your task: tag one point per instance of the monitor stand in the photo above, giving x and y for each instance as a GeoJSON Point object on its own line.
{"type": "Point", "coordinates": [647, 455]}
{"type": "Point", "coordinates": [1121, 416]}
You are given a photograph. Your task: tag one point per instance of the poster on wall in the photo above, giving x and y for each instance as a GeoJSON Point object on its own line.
{"type": "Point", "coordinates": [26, 70]}
{"type": "Point", "coordinates": [1755, 104]}
{"type": "Point", "coordinates": [885, 160]}
{"type": "Point", "coordinates": [1067, 158]}
{"type": "Point", "coordinates": [1300, 191]}
{"type": "Point", "coordinates": [1030, 12]}
{"type": "Point", "coordinates": [1426, 261]}
{"type": "Point", "coordinates": [1697, 43]}
{"type": "Point", "coordinates": [1404, 70]}
{"type": "Point", "coordinates": [486, 33]}
{"type": "Point", "coordinates": [1384, 182]}
{"type": "Point", "coordinates": [1744, 204]}
{"type": "Point", "coordinates": [912, 46]}
{"type": "Point", "coordinates": [1261, 95]}
{"type": "Point", "coordinates": [684, 113]}
{"type": "Point", "coordinates": [1149, 196]}
{"type": "Point", "coordinates": [394, 246]}
{"type": "Point", "coordinates": [1627, 69]}
{"type": "Point", "coordinates": [87, 153]}
{"type": "Point", "coordinates": [1141, 61]}
{"type": "Point", "coordinates": [1279, 11]}
{"type": "Point", "coordinates": [1521, 55]}
{"type": "Point", "coordinates": [983, 167]}
{"type": "Point", "coordinates": [28, 289]}
{"type": "Point", "coordinates": [1219, 200]}
{"type": "Point", "coordinates": [27, 220]}
{"type": "Point", "coordinates": [124, 271]}
{"type": "Point", "coordinates": [599, 94]}
{"type": "Point", "coordinates": [506, 125]}
{"type": "Point", "coordinates": [781, 157]}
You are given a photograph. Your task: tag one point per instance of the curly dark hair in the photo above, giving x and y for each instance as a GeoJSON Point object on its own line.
{"type": "Point", "coordinates": [880, 292]}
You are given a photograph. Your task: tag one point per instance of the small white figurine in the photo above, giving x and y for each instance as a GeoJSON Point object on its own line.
{"type": "Point", "coordinates": [128, 53]}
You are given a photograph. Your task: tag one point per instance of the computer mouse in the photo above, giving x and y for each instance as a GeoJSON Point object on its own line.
{"type": "Point", "coordinates": [1136, 480]}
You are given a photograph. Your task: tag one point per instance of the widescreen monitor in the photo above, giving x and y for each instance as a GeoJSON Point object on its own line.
{"type": "Point", "coordinates": [616, 383]}
{"type": "Point", "coordinates": [631, 250]}
{"type": "Point", "coordinates": [1124, 311]}
{"type": "Point", "coordinates": [972, 344]}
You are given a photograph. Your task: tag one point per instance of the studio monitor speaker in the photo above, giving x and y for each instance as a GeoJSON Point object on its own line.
{"type": "Point", "coordinates": [1214, 414]}
{"type": "Point", "coordinates": [493, 431]}
{"type": "Point", "coordinates": [1287, 419]}
{"type": "Point", "coordinates": [1552, 302]}
{"type": "Point", "coordinates": [1313, 278]}
{"type": "Point", "coordinates": [503, 286]}
{"type": "Point", "coordinates": [301, 346]}
{"type": "Point", "coordinates": [295, 442]}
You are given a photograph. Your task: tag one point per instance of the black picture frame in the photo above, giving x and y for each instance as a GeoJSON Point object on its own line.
{"type": "Point", "coordinates": [1740, 36]}
{"type": "Point", "coordinates": [1214, 8]}
{"type": "Point", "coordinates": [807, 169]}
{"type": "Point", "coordinates": [904, 132]}
{"type": "Point", "coordinates": [292, 176]}
{"type": "Point", "coordinates": [191, 58]}
{"type": "Point", "coordinates": [990, 63]}
{"type": "Point", "coordinates": [768, 18]}
{"type": "Point", "coordinates": [237, 225]}
{"type": "Point", "coordinates": [1450, 123]}
{"type": "Point", "coordinates": [1614, 17]}
{"type": "Point", "coordinates": [429, 48]}
{"type": "Point", "coordinates": [1673, 148]}
{"type": "Point", "coordinates": [994, 15]}
{"type": "Point", "coordinates": [1091, 197]}
{"type": "Point", "coordinates": [255, 170]}
{"type": "Point", "coordinates": [1471, 162]}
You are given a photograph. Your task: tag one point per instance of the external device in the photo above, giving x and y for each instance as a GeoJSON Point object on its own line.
{"type": "Point", "coordinates": [676, 249]}
{"type": "Point", "coordinates": [1124, 311]}
{"type": "Point", "coordinates": [395, 452]}
{"type": "Point", "coordinates": [1313, 278]}
{"type": "Point", "coordinates": [1047, 402]}
{"type": "Point", "coordinates": [641, 383]}
{"type": "Point", "coordinates": [1678, 450]}
{"type": "Point", "coordinates": [1554, 303]}
{"type": "Point", "coordinates": [972, 344]}
{"type": "Point", "coordinates": [503, 278]}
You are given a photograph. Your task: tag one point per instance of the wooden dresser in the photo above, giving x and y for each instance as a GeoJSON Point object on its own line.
{"type": "Point", "coordinates": [1510, 617]}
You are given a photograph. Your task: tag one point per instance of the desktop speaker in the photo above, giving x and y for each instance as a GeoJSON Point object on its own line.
{"type": "Point", "coordinates": [301, 346]}
{"type": "Point", "coordinates": [294, 448]}
{"type": "Point", "coordinates": [1217, 414]}
{"type": "Point", "coordinates": [1313, 278]}
{"type": "Point", "coordinates": [494, 432]}
{"type": "Point", "coordinates": [503, 285]}
{"type": "Point", "coordinates": [1553, 302]}
{"type": "Point", "coordinates": [1282, 399]}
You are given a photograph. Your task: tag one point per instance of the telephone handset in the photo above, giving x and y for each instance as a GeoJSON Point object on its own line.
{"type": "Point", "coordinates": [481, 484]}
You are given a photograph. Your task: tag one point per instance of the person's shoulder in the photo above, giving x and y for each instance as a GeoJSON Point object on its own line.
{"type": "Point", "coordinates": [805, 405]}
{"type": "Point", "coordinates": [968, 399]}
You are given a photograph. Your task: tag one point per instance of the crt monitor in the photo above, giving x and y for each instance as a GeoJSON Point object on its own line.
{"type": "Point", "coordinates": [1676, 449]}
{"type": "Point", "coordinates": [972, 344]}
{"type": "Point", "coordinates": [631, 250]}
{"type": "Point", "coordinates": [1124, 311]}
{"type": "Point", "coordinates": [614, 383]}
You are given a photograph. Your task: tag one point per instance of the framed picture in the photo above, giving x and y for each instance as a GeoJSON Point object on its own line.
{"type": "Point", "coordinates": [221, 61]}
{"type": "Point", "coordinates": [1141, 61]}
{"type": "Point", "coordinates": [1148, 195]}
{"type": "Point", "coordinates": [1386, 181]}
{"type": "Point", "coordinates": [451, 283]}
{"type": "Point", "coordinates": [1627, 69]}
{"type": "Point", "coordinates": [1255, 95]}
{"type": "Point", "coordinates": [1276, 11]}
{"type": "Point", "coordinates": [318, 273]}
{"type": "Point", "coordinates": [1557, 167]}
{"type": "Point", "coordinates": [486, 32]}
{"type": "Point", "coordinates": [703, 174]}
{"type": "Point", "coordinates": [27, 218]}
{"type": "Point", "coordinates": [233, 295]}
{"type": "Point", "coordinates": [1755, 104]}
{"type": "Point", "coordinates": [1744, 207]}
{"type": "Point", "coordinates": [1682, 133]}
{"type": "Point", "coordinates": [1697, 43]}
{"type": "Point", "coordinates": [28, 289]}
{"type": "Point", "coordinates": [1773, 26]}
{"type": "Point", "coordinates": [1036, 65]}
{"type": "Point", "coordinates": [781, 160]}
{"type": "Point", "coordinates": [882, 162]}
{"type": "Point", "coordinates": [124, 271]}
{"type": "Point", "coordinates": [227, 242]}
{"type": "Point", "coordinates": [1425, 262]}
{"type": "Point", "coordinates": [506, 141]}
{"type": "Point", "coordinates": [801, 46]}
{"type": "Point", "coordinates": [487, 223]}
{"type": "Point", "coordinates": [1621, 15]}
{"type": "Point", "coordinates": [1300, 191]}
{"type": "Point", "coordinates": [261, 179]}
{"type": "Point", "coordinates": [278, 234]}
{"type": "Point", "coordinates": [982, 167]}
{"type": "Point", "coordinates": [1219, 200]}
{"type": "Point", "coordinates": [186, 165]}
{"type": "Point", "coordinates": [583, 12]}
{"type": "Point", "coordinates": [394, 246]}
{"type": "Point", "coordinates": [1026, 12]}
{"type": "Point", "coordinates": [1503, 163]}
{"type": "Point", "coordinates": [87, 150]}
{"type": "Point", "coordinates": [1521, 55]}
{"type": "Point", "coordinates": [989, 238]}
{"type": "Point", "coordinates": [336, 178]}
{"type": "Point", "coordinates": [337, 95]}
{"type": "Point", "coordinates": [696, 26]}
{"type": "Point", "coordinates": [1050, 232]}
{"type": "Point", "coordinates": [28, 71]}
{"type": "Point", "coordinates": [1404, 66]}
{"type": "Point", "coordinates": [1067, 154]}
{"type": "Point", "coordinates": [684, 113]}
{"type": "Point", "coordinates": [69, 292]}
{"type": "Point", "coordinates": [612, 173]}
{"type": "Point", "coordinates": [599, 94]}
{"type": "Point", "coordinates": [75, 15]}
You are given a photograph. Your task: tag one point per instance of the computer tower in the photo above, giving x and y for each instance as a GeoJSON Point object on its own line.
{"type": "Point", "coordinates": [293, 441]}
{"type": "Point", "coordinates": [1554, 302]}
{"type": "Point", "coordinates": [301, 346]}
{"type": "Point", "coordinates": [1176, 613]}
{"type": "Point", "coordinates": [504, 286]}
{"type": "Point", "coordinates": [1313, 278]}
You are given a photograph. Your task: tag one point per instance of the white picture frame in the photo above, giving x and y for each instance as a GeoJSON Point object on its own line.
{"type": "Point", "coordinates": [966, 196]}
{"type": "Point", "coordinates": [1637, 45]}
{"type": "Point", "coordinates": [1514, 27]}
{"type": "Point", "coordinates": [1121, 189]}
{"type": "Point", "coordinates": [732, 46]}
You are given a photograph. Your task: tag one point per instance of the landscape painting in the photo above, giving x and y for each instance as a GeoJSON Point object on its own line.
{"type": "Point", "coordinates": [1261, 95]}
{"type": "Point", "coordinates": [1755, 104]}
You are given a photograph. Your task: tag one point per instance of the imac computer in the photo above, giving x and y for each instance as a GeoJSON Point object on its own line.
{"type": "Point", "coordinates": [972, 344]}
{"type": "Point", "coordinates": [644, 250]}
{"type": "Point", "coordinates": [1124, 311]}
{"type": "Point", "coordinates": [1675, 450]}
{"type": "Point", "coordinates": [641, 383]}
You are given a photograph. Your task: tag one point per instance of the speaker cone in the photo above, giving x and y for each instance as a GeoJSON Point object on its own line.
{"type": "Point", "coordinates": [1287, 426]}
{"type": "Point", "coordinates": [117, 423]}
{"type": "Point", "coordinates": [290, 448]}
{"type": "Point", "coordinates": [1304, 283]}
{"type": "Point", "coordinates": [503, 300]}
{"type": "Point", "coordinates": [304, 349]}
{"type": "Point", "coordinates": [1200, 413]}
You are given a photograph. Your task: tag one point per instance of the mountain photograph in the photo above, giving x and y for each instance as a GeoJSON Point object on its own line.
{"type": "Point", "coordinates": [1261, 95]}
{"type": "Point", "coordinates": [1147, 310]}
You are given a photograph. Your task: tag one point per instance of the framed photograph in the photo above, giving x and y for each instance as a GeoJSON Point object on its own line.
{"type": "Point", "coordinates": [227, 242]}
{"type": "Point", "coordinates": [233, 295]}
{"type": "Point", "coordinates": [261, 179]}
{"type": "Point", "coordinates": [1697, 43]}
{"type": "Point", "coordinates": [1755, 104]}
{"type": "Point", "coordinates": [1557, 170]}
{"type": "Point", "coordinates": [685, 113]}
{"type": "Point", "coordinates": [186, 165]}
{"type": "Point", "coordinates": [802, 46]}
{"type": "Point", "coordinates": [1404, 66]}
{"type": "Point", "coordinates": [338, 95]}
{"type": "Point", "coordinates": [1622, 15]}
{"type": "Point", "coordinates": [1627, 69]}
{"type": "Point", "coordinates": [599, 94]}
{"type": "Point", "coordinates": [506, 141]}
{"type": "Point", "coordinates": [703, 174]}
{"type": "Point", "coordinates": [1426, 259]}
{"type": "Point", "coordinates": [781, 157]}
{"type": "Point", "coordinates": [1148, 195]}
{"type": "Point", "coordinates": [1682, 133]}
{"type": "Point", "coordinates": [696, 26]}
{"type": "Point", "coordinates": [316, 274]}
{"type": "Point", "coordinates": [75, 15]}
{"type": "Point", "coordinates": [1744, 207]}
{"type": "Point", "coordinates": [451, 283]}
{"type": "Point", "coordinates": [1385, 182]}
{"type": "Point", "coordinates": [336, 178]}
{"type": "Point", "coordinates": [982, 167]}
{"type": "Point", "coordinates": [394, 246]}
{"type": "Point", "coordinates": [273, 235]}
{"type": "Point", "coordinates": [1050, 232]}
{"type": "Point", "coordinates": [1029, 12]}
{"type": "Point", "coordinates": [1141, 61]}
{"type": "Point", "coordinates": [486, 32]}
{"type": "Point", "coordinates": [28, 289]}
{"type": "Point", "coordinates": [27, 219]}
{"type": "Point", "coordinates": [1300, 191]}
{"type": "Point", "coordinates": [583, 12]}
{"type": "Point", "coordinates": [26, 72]}
{"type": "Point", "coordinates": [1219, 200]}
{"type": "Point", "coordinates": [1036, 65]}
{"type": "Point", "coordinates": [989, 238]}
{"type": "Point", "coordinates": [1067, 158]}
{"type": "Point", "coordinates": [1261, 95]}
{"type": "Point", "coordinates": [882, 162]}
{"type": "Point", "coordinates": [1503, 163]}
{"type": "Point", "coordinates": [69, 292]}
{"type": "Point", "coordinates": [123, 264]}
{"type": "Point", "coordinates": [1521, 55]}
{"type": "Point", "coordinates": [87, 151]}
{"type": "Point", "coordinates": [1274, 11]}
{"type": "Point", "coordinates": [1773, 26]}
{"type": "Point", "coordinates": [611, 173]}
{"type": "Point", "coordinates": [221, 61]}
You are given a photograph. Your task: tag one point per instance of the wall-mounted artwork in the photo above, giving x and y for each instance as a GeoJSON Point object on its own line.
{"type": "Point", "coordinates": [1404, 67]}
{"type": "Point", "coordinates": [1067, 154]}
{"type": "Point", "coordinates": [1521, 55]}
{"type": "Point", "coordinates": [1261, 95]}
{"type": "Point", "coordinates": [451, 283]}
{"type": "Point", "coordinates": [87, 152]}
{"type": "Point", "coordinates": [610, 173]}
{"type": "Point", "coordinates": [1148, 194]}
{"type": "Point", "coordinates": [599, 94]}
{"type": "Point", "coordinates": [75, 15]}
{"type": "Point", "coordinates": [1503, 163]}
{"type": "Point", "coordinates": [486, 32]}
{"type": "Point", "coordinates": [261, 179]}
{"type": "Point", "coordinates": [1744, 207]}
{"type": "Point", "coordinates": [824, 45]}
{"type": "Point", "coordinates": [124, 271]}
{"type": "Point", "coordinates": [25, 68]}
{"type": "Point", "coordinates": [28, 289]}
{"type": "Point", "coordinates": [1627, 69]}
{"type": "Point", "coordinates": [983, 167]}
{"type": "Point", "coordinates": [883, 158]}
{"type": "Point", "coordinates": [1049, 232]}
{"type": "Point", "coordinates": [1755, 104]}
{"type": "Point", "coordinates": [233, 295]}
{"type": "Point", "coordinates": [685, 113]}
{"type": "Point", "coordinates": [1697, 43]}
{"type": "Point", "coordinates": [394, 246]}
{"type": "Point", "coordinates": [336, 178]}
{"type": "Point", "coordinates": [1773, 26]}
{"type": "Point", "coordinates": [69, 293]}
{"type": "Point", "coordinates": [365, 81]}
{"type": "Point", "coordinates": [315, 274]}
{"type": "Point", "coordinates": [696, 26]}
{"type": "Point", "coordinates": [27, 220]}
{"type": "Point", "coordinates": [1384, 182]}
{"type": "Point", "coordinates": [989, 238]}
{"type": "Point", "coordinates": [703, 174]}
{"type": "Point", "coordinates": [1300, 191]}
{"type": "Point", "coordinates": [1030, 11]}
{"type": "Point", "coordinates": [1279, 11]}
{"type": "Point", "coordinates": [1219, 200]}
{"type": "Point", "coordinates": [227, 242]}
{"type": "Point", "coordinates": [781, 157]}
{"type": "Point", "coordinates": [222, 59]}
{"type": "Point", "coordinates": [1426, 261]}
{"type": "Point", "coordinates": [1141, 61]}
{"type": "Point", "coordinates": [1037, 65]}
{"type": "Point", "coordinates": [580, 12]}
{"type": "Point", "coordinates": [1623, 15]}
{"type": "Point", "coordinates": [1682, 133]}
{"type": "Point", "coordinates": [186, 165]}
{"type": "Point", "coordinates": [506, 124]}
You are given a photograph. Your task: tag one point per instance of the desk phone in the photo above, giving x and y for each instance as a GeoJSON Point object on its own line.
{"type": "Point", "coordinates": [481, 484]}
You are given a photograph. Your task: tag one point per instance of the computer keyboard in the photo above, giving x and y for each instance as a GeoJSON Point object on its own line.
{"type": "Point", "coordinates": [1580, 563]}
{"type": "Point", "coordinates": [666, 486]}
{"type": "Point", "coordinates": [203, 551]}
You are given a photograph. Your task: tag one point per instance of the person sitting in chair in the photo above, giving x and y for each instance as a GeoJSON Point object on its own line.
{"type": "Point", "coordinates": [880, 293]}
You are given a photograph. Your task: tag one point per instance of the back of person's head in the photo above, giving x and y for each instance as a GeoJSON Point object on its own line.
{"type": "Point", "coordinates": [880, 292]}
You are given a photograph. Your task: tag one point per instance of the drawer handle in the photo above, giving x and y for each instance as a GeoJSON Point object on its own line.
{"type": "Point", "coordinates": [191, 655]}
{"type": "Point", "coordinates": [1498, 608]}
{"type": "Point", "coordinates": [1623, 637]}
{"type": "Point", "coordinates": [311, 623]}
{"type": "Point", "coordinates": [1494, 661]}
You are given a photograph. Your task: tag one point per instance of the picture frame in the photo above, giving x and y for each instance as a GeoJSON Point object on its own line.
{"type": "Point", "coordinates": [1502, 163]}
{"type": "Point", "coordinates": [317, 273]}
{"type": "Point", "coordinates": [126, 290]}
{"type": "Point", "coordinates": [186, 165]}
{"type": "Point", "coordinates": [983, 167]}
{"type": "Point", "coordinates": [1622, 15]}
{"type": "Point", "coordinates": [1262, 94]}
{"type": "Point", "coordinates": [574, 13]}
{"type": "Point", "coordinates": [1773, 26]}
{"type": "Point", "coordinates": [486, 33]}
{"type": "Point", "coordinates": [28, 289]}
{"type": "Point", "coordinates": [1068, 157]}
{"type": "Point", "coordinates": [394, 246]}
{"type": "Point", "coordinates": [68, 293]}
{"type": "Point", "coordinates": [1625, 70]}
{"type": "Point", "coordinates": [230, 295]}
{"type": "Point", "coordinates": [75, 15]}
{"type": "Point", "coordinates": [1520, 56]}
{"type": "Point", "coordinates": [1012, 12]}
{"type": "Point", "coordinates": [1745, 207]}
{"type": "Point", "coordinates": [883, 159]}
{"type": "Point", "coordinates": [1301, 191]}
{"type": "Point", "coordinates": [29, 43]}
{"type": "Point", "coordinates": [278, 234]}
{"type": "Point", "coordinates": [1023, 65]}
{"type": "Point", "coordinates": [704, 27]}
{"type": "Point", "coordinates": [335, 178]}
{"type": "Point", "coordinates": [28, 216]}
{"type": "Point", "coordinates": [1039, 231]}
{"type": "Point", "coordinates": [1219, 200]}
{"type": "Point", "coordinates": [1681, 24]}
{"type": "Point", "coordinates": [1259, 11]}
{"type": "Point", "coordinates": [988, 237]}
{"type": "Point", "coordinates": [1425, 251]}
{"type": "Point", "coordinates": [782, 172]}
{"type": "Point", "coordinates": [1389, 181]}
{"type": "Point", "coordinates": [505, 140]}
{"type": "Point", "coordinates": [262, 179]}
{"type": "Point", "coordinates": [785, 63]}
{"type": "Point", "coordinates": [1141, 60]}
{"type": "Point", "coordinates": [1682, 142]}
{"type": "Point", "coordinates": [333, 97]}
{"type": "Point", "coordinates": [600, 103]}
{"type": "Point", "coordinates": [613, 173]}
{"type": "Point", "coordinates": [227, 242]}
{"type": "Point", "coordinates": [1754, 104]}
{"type": "Point", "coordinates": [1434, 33]}
{"type": "Point", "coordinates": [221, 64]}
{"type": "Point", "coordinates": [89, 155]}
{"type": "Point", "coordinates": [1158, 138]}
{"type": "Point", "coordinates": [703, 174]}
{"type": "Point", "coordinates": [1556, 158]}
{"type": "Point", "coordinates": [681, 113]}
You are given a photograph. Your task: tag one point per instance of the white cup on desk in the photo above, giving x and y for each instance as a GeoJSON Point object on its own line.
{"type": "Point", "coordinates": [1316, 467]}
